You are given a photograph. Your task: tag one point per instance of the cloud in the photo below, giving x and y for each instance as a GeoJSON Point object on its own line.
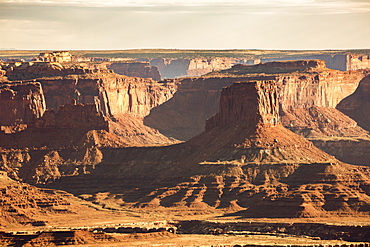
{"type": "Point", "coordinates": [268, 24]}
{"type": "Point", "coordinates": [214, 6]}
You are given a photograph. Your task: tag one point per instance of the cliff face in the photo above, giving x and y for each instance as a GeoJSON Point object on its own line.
{"type": "Point", "coordinates": [137, 69]}
{"type": "Point", "coordinates": [33, 70]}
{"type": "Point", "coordinates": [184, 115]}
{"type": "Point", "coordinates": [278, 67]}
{"type": "Point", "coordinates": [72, 117]}
{"type": "Point", "coordinates": [199, 66]}
{"type": "Point", "coordinates": [85, 112]}
{"type": "Point", "coordinates": [174, 68]}
{"type": "Point", "coordinates": [113, 93]}
{"type": "Point", "coordinates": [321, 89]}
{"type": "Point", "coordinates": [343, 62]}
{"type": "Point", "coordinates": [21, 103]}
{"type": "Point", "coordinates": [262, 101]}
{"type": "Point", "coordinates": [311, 86]}
{"type": "Point", "coordinates": [245, 161]}
{"type": "Point", "coordinates": [357, 105]}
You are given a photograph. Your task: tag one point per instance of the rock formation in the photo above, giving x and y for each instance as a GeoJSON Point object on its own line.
{"type": "Point", "coordinates": [55, 56]}
{"type": "Point", "coordinates": [174, 68]}
{"type": "Point", "coordinates": [33, 70]}
{"type": "Point", "coordinates": [136, 69]}
{"type": "Point", "coordinates": [21, 103]}
{"type": "Point", "coordinates": [24, 204]}
{"type": "Point", "coordinates": [245, 160]}
{"type": "Point", "coordinates": [357, 104]}
{"type": "Point", "coordinates": [85, 110]}
{"type": "Point", "coordinates": [301, 86]}
{"type": "Point", "coordinates": [343, 62]}
{"type": "Point", "coordinates": [113, 93]}
{"type": "Point", "coordinates": [68, 142]}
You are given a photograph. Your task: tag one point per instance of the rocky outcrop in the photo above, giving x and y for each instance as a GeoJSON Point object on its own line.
{"type": "Point", "coordinates": [357, 61]}
{"type": "Point", "coordinates": [21, 103]}
{"type": "Point", "coordinates": [114, 94]}
{"type": "Point", "coordinates": [33, 70]}
{"type": "Point", "coordinates": [357, 105]}
{"type": "Point", "coordinates": [301, 85]}
{"type": "Point", "coordinates": [343, 62]}
{"type": "Point", "coordinates": [246, 161]}
{"type": "Point", "coordinates": [55, 56]}
{"type": "Point", "coordinates": [238, 104]}
{"type": "Point", "coordinates": [183, 116]}
{"type": "Point", "coordinates": [278, 67]}
{"type": "Point", "coordinates": [136, 69]}
{"type": "Point", "coordinates": [199, 66]}
{"type": "Point", "coordinates": [25, 204]}
{"type": "Point", "coordinates": [175, 68]}
{"type": "Point", "coordinates": [72, 117]}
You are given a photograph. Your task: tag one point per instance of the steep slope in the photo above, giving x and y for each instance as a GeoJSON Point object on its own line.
{"type": "Point", "coordinates": [245, 161]}
{"type": "Point", "coordinates": [20, 103]}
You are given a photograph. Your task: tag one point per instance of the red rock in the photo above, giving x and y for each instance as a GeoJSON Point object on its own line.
{"type": "Point", "coordinates": [21, 103]}
{"type": "Point", "coordinates": [183, 116]}
{"type": "Point", "coordinates": [357, 105]}
{"type": "Point", "coordinates": [115, 94]}
{"type": "Point", "coordinates": [174, 68]}
{"type": "Point", "coordinates": [136, 69]}
{"type": "Point", "coordinates": [246, 160]}
{"type": "Point", "coordinates": [72, 117]}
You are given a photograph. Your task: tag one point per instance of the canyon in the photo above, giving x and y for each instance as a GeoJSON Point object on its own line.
{"type": "Point", "coordinates": [308, 94]}
{"type": "Point", "coordinates": [244, 142]}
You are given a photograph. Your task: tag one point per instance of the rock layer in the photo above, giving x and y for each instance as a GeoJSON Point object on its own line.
{"type": "Point", "coordinates": [21, 103]}
{"type": "Point", "coordinates": [136, 69]}
{"type": "Point", "coordinates": [357, 105]}
{"type": "Point", "coordinates": [301, 86]}
{"type": "Point", "coordinates": [113, 93]}
{"type": "Point", "coordinates": [175, 68]}
{"type": "Point", "coordinates": [246, 160]}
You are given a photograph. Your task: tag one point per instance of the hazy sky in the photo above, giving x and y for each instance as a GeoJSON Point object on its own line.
{"type": "Point", "coordinates": [199, 24]}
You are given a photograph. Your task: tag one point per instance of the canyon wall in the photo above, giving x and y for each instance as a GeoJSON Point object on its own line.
{"type": "Point", "coordinates": [136, 69]}
{"type": "Point", "coordinates": [183, 116]}
{"type": "Point", "coordinates": [343, 62]}
{"type": "Point", "coordinates": [197, 99]}
{"type": "Point", "coordinates": [21, 103]}
{"type": "Point", "coordinates": [245, 162]}
{"type": "Point", "coordinates": [72, 117]}
{"type": "Point", "coordinates": [256, 105]}
{"type": "Point", "coordinates": [174, 68]}
{"type": "Point", "coordinates": [357, 105]}
{"type": "Point", "coordinates": [113, 93]}
{"type": "Point", "coordinates": [33, 70]}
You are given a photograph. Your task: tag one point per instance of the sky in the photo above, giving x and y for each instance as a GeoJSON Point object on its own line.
{"type": "Point", "coordinates": [185, 24]}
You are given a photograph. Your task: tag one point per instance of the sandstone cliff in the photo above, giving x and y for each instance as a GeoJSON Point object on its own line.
{"type": "Point", "coordinates": [113, 93]}
{"type": "Point", "coordinates": [246, 161]}
{"type": "Point", "coordinates": [33, 70]}
{"type": "Point", "coordinates": [136, 69]}
{"type": "Point", "coordinates": [343, 62]}
{"type": "Point", "coordinates": [174, 68]}
{"type": "Point", "coordinates": [21, 103]}
{"type": "Point", "coordinates": [301, 86]}
{"type": "Point", "coordinates": [357, 104]}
